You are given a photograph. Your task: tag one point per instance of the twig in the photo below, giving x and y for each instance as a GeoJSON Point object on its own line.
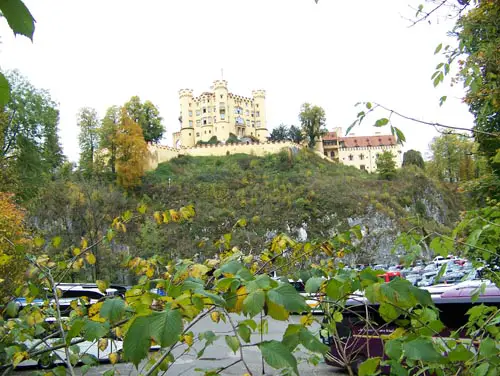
{"type": "Point", "coordinates": [239, 341]}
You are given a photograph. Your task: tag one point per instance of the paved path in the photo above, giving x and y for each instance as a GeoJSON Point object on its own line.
{"type": "Point", "coordinates": [219, 355]}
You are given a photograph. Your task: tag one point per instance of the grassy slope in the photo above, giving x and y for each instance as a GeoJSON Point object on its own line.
{"type": "Point", "coordinates": [278, 192]}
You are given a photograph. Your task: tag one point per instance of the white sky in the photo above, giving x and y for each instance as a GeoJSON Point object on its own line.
{"type": "Point", "coordinates": [99, 53]}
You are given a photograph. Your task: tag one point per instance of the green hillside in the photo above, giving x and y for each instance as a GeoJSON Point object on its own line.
{"type": "Point", "coordinates": [284, 193]}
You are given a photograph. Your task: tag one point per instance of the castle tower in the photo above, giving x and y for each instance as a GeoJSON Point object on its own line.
{"type": "Point", "coordinates": [259, 104]}
{"type": "Point", "coordinates": [187, 138]}
{"type": "Point", "coordinates": [221, 123]}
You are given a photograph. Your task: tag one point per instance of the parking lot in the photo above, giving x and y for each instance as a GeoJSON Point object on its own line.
{"type": "Point", "coordinates": [219, 355]}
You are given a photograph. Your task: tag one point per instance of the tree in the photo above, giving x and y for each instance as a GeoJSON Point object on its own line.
{"type": "Point", "coordinates": [386, 166]}
{"type": "Point", "coordinates": [108, 136]}
{"type": "Point", "coordinates": [413, 157]}
{"type": "Point", "coordinates": [131, 152]}
{"type": "Point", "coordinates": [295, 134]}
{"type": "Point", "coordinates": [147, 116]}
{"type": "Point", "coordinates": [29, 142]}
{"type": "Point", "coordinates": [478, 33]}
{"type": "Point", "coordinates": [13, 240]}
{"type": "Point", "coordinates": [88, 139]}
{"type": "Point", "coordinates": [312, 119]}
{"type": "Point", "coordinates": [452, 158]}
{"type": "Point", "coordinates": [280, 133]}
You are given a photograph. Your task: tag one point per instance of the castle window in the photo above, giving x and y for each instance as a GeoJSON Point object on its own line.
{"type": "Point", "coordinates": [209, 132]}
{"type": "Point", "coordinates": [222, 115]}
{"type": "Point", "coordinates": [204, 121]}
{"type": "Point", "coordinates": [197, 134]}
{"type": "Point", "coordinates": [257, 113]}
{"type": "Point", "coordinates": [190, 123]}
{"type": "Point", "coordinates": [198, 122]}
{"type": "Point", "coordinates": [253, 124]}
{"type": "Point", "coordinates": [209, 120]}
{"type": "Point", "coordinates": [189, 104]}
{"type": "Point", "coordinates": [247, 113]}
{"type": "Point", "coordinates": [190, 113]}
{"type": "Point", "coordinates": [221, 96]}
{"type": "Point", "coordinates": [198, 113]}
{"type": "Point", "coordinates": [190, 133]}
{"type": "Point", "coordinates": [351, 157]}
{"type": "Point", "coordinates": [258, 123]}
{"type": "Point", "coordinates": [362, 167]}
{"type": "Point", "coordinates": [257, 105]}
{"type": "Point", "coordinates": [205, 132]}
{"type": "Point", "coordinates": [204, 110]}
{"type": "Point", "coordinates": [361, 156]}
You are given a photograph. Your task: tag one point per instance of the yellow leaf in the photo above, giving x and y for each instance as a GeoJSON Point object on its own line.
{"type": "Point", "coordinates": [84, 243]}
{"type": "Point", "coordinates": [39, 241]}
{"type": "Point", "coordinates": [188, 339]}
{"type": "Point", "coordinates": [102, 285]}
{"type": "Point", "coordinates": [76, 251]}
{"type": "Point", "coordinates": [103, 344]}
{"type": "Point", "coordinates": [198, 271]}
{"type": "Point", "coordinates": [118, 332]}
{"type": "Point", "coordinates": [94, 312]}
{"type": "Point", "coordinates": [157, 216]}
{"type": "Point", "coordinates": [241, 294]}
{"type": "Point", "coordinates": [90, 258]}
{"type": "Point", "coordinates": [215, 316]}
{"type": "Point", "coordinates": [19, 357]}
{"type": "Point", "coordinates": [114, 358]}
{"type": "Point", "coordinates": [306, 320]}
{"type": "Point", "coordinates": [150, 271]}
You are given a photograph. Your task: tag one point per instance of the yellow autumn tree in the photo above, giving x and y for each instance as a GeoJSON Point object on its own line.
{"type": "Point", "coordinates": [13, 243]}
{"type": "Point", "coordinates": [131, 152]}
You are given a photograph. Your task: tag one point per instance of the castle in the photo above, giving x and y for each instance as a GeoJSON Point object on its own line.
{"type": "Point", "coordinates": [215, 115]}
{"type": "Point", "coordinates": [219, 123]}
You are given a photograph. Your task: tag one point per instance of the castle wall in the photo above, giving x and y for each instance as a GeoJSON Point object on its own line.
{"type": "Point", "coordinates": [160, 154]}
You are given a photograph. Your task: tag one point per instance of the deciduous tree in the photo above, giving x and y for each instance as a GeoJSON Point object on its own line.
{"type": "Point", "coordinates": [131, 152]}
{"type": "Point", "coordinates": [413, 157]}
{"type": "Point", "coordinates": [109, 133]}
{"type": "Point", "coordinates": [147, 116]}
{"type": "Point", "coordinates": [312, 118]}
{"type": "Point", "coordinates": [386, 166]}
{"type": "Point", "coordinates": [89, 124]}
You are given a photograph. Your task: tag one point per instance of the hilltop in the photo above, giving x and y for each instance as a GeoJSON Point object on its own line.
{"type": "Point", "coordinates": [293, 192]}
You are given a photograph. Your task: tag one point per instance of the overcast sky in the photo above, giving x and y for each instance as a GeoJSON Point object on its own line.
{"type": "Point", "coordinates": [99, 53]}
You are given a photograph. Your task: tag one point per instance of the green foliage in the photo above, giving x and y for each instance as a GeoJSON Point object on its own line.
{"type": "Point", "coordinates": [413, 158]}
{"type": "Point", "coordinates": [386, 166]}
{"type": "Point", "coordinates": [285, 133]}
{"type": "Point", "coordinates": [29, 145]}
{"type": "Point", "coordinates": [88, 139]}
{"type": "Point", "coordinates": [312, 119]}
{"type": "Point", "coordinates": [147, 116]}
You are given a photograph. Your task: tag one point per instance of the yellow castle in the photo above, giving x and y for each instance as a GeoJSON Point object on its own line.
{"type": "Point", "coordinates": [217, 114]}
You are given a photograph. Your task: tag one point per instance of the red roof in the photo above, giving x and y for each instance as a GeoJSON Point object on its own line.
{"type": "Point", "coordinates": [364, 141]}
{"type": "Point", "coordinates": [330, 136]}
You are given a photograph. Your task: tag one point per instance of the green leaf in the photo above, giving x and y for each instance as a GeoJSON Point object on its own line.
{"type": "Point", "coordinates": [368, 105]}
{"type": "Point", "coordinates": [438, 48]}
{"type": "Point", "coordinates": [369, 367]}
{"type": "Point", "coordinates": [278, 356]}
{"type": "Point", "coordinates": [254, 303]}
{"type": "Point", "coordinates": [166, 326]}
{"type": "Point", "coordinates": [94, 330]}
{"type": "Point", "coordinates": [19, 17]}
{"type": "Point", "coordinates": [276, 311]}
{"type": "Point", "coordinates": [233, 343]}
{"type": "Point", "coordinates": [460, 354]}
{"type": "Point", "coordinates": [137, 340]}
{"type": "Point", "coordinates": [388, 312]}
{"type": "Point", "coordinates": [442, 100]}
{"type": "Point", "coordinates": [244, 332]}
{"type": "Point", "coordinates": [74, 331]}
{"type": "Point", "coordinates": [286, 296]}
{"type": "Point", "coordinates": [421, 349]}
{"type": "Point", "coordinates": [313, 284]}
{"type": "Point", "coordinates": [12, 309]}
{"type": "Point", "coordinates": [482, 369]}
{"type": "Point", "coordinates": [393, 349]}
{"type": "Point", "coordinates": [381, 122]}
{"type": "Point", "coordinates": [113, 309]}
{"type": "Point", "coordinates": [400, 135]}
{"type": "Point", "coordinates": [311, 342]}
{"type": "Point", "coordinates": [488, 348]}
{"type": "Point", "coordinates": [56, 241]}
{"type": "Point", "coordinates": [4, 90]}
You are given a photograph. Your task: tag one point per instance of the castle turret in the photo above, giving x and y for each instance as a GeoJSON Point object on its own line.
{"type": "Point", "coordinates": [221, 123]}
{"type": "Point", "coordinates": [186, 119]}
{"type": "Point", "coordinates": [259, 100]}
